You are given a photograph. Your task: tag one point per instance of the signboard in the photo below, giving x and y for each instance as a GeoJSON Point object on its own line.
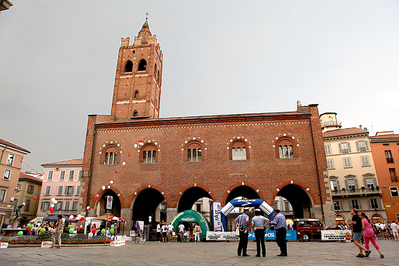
{"type": "Point", "coordinates": [47, 244]}
{"type": "Point", "coordinates": [217, 217]}
{"type": "Point", "coordinates": [4, 245]}
{"type": "Point", "coordinates": [109, 203]}
{"type": "Point", "coordinates": [231, 236]}
{"type": "Point", "coordinates": [117, 243]}
{"type": "Point", "coordinates": [132, 233]}
{"type": "Point", "coordinates": [336, 235]}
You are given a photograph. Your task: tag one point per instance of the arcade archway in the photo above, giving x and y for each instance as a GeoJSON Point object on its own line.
{"type": "Point", "coordinates": [190, 197]}
{"type": "Point", "coordinates": [116, 204]}
{"type": "Point", "coordinates": [299, 200]}
{"type": "Point", "coordinates": [242, 191]}
{"type": "Point", "coordinates": [146, 204]}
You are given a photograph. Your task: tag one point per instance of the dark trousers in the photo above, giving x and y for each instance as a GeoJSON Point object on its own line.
{"type": "Point", "coordinates": [280, 239]}
{"type": "Point", "coordinates": [260, 240]}
{"type": "Point", "coordinates": [242, 245]}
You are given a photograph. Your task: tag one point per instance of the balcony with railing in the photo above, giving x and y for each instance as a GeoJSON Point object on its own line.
{"type": "Point", "coordinates": [331, 124]}
{"type": "Point", "coordinates": [365, 191]}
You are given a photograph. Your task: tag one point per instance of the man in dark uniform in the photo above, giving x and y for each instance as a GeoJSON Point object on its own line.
{"type": "Point", "coordinates": [279, 224]}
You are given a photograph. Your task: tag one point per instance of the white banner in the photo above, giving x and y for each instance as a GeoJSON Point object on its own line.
{"type": "Point", "coordinates": [336, 235]}
{"type": "Point", "coordinates": [221, 236]}
{"type": "Point", "coordinates": [4, 245]}
{"type": "Point", "coordinates": [217, 217]}
{"type": "Point", "coordinates": [47, 244]}
{"type": "Point", "coordinates": [117, 243]}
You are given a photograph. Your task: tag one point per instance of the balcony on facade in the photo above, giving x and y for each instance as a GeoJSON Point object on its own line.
{"type": "Point", "coordinates": [331, 124]}
{"type": "Point", "coordinates": [363, 191]}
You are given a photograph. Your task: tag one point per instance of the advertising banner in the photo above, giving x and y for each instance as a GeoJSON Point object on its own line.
{"type": "Point", "coordinates": [336, 235]}
{"type": "Point", "coordinates": [109, 203]}
{"type": "Point", "coordinates": [217, 217]}
{"type": "Point", "coordinates": [4, 245]}
{"type": "Point", "coordinates": [47, 244]}
{"type": "Point", "coordinates": [117, 243]}
{"type": "Point", "coordinates": [231, 236]}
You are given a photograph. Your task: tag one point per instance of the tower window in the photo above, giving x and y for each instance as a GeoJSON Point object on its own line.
{"type": "Point", "coordinates": [194, 152]}
{"type": "Point", "coordinates": [142, 65]}
{"type": "Point", "coordinates": [129, 66]}
{"type": "Point", "coordinates": [110, 155]}
{"type": "Point", "coordinates": [238, 150]}
{"type": "Point", "coordinates": [136, 94]}
{"type": "Point", "coordinates": [135, 113]}
{"type": "Point", "coordinates": [286, 149]}
{"type": "Point", "coordinates": [148, 154]}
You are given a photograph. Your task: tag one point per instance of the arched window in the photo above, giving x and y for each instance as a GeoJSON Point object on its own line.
{"type": "Point", "coordinates": [136, 94]}
{"type": "Point", "coordinates": [142, 65]}
{"type": "Point", "coordinates": [148, 154]}
{"type": "Point", "coordinates": [158, 77]}
{"type": "Point", "coordinates": [129, 66]}
{"type": "Point", "coordinates": [330, 121]}
{"type": "Point", "coordinates": [238, 150]}
{"type": "Point", "coordinates": [285, 148]}
{"type": "Point", "coordinates": [194, 152]}
{"type": "Point", "coordinates": [110, 155]}
{"type": "Point", "coordinates": [155, 72]}
{"type": "Point", "coordinates": [135, 113]}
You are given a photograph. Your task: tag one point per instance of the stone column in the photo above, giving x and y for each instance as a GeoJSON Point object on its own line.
{"type": "Point", "coordinates": [126, 214]}
{"type": "Point", "coordinates": [170, 213]}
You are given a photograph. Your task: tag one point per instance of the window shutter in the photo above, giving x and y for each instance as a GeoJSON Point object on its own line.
{"type": "Point", "coordinates": [338, 186]}
{"type": "Point", "coordinates": [360, 204]}
{"type": "Point", "coordinates": [357, 146]}
{"type": "Point", "coordinates": [367, 145]}
{"type": "Point", "coordinates": [349, 147]}
{"type": "Point", "coordinates": [346, 184]}
{"type": "Point", "coordinates": [350, 205]}
{"type": "Point", "coordinates": [340, 205]}
{"type": "Point", "coordinates": [72, 190]}
{"type": "Point", "coordinates": [356, 184]}
{"type": "Point", "coordinates": [364, 182]}
{"type": "Point", "coordinates": [66, 190]}
{"type": "Point", "coordinates": [340, 147]}
{"type": "Point", "coordinates": [380, 205]}
{"type": "Point", "coordinates": [370, 204]}
{"type": "Point", "coordinates": [375, 181]}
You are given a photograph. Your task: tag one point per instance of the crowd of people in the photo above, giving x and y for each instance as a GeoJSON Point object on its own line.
{"type": "Point", "coordinates": [166, 233]}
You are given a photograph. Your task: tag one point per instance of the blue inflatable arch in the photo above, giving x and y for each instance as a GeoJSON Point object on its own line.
{"type": "Point", "coordinates": [247, 203]}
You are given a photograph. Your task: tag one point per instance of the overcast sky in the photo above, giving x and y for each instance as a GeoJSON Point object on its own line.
{"type": "Point", "coordinates": [58, 62]}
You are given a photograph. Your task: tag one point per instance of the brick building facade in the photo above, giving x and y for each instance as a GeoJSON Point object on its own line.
{"type": "Point", "coordinates": [143, 160]}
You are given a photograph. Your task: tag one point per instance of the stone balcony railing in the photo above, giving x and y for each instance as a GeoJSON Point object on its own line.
{"type": "Point", "coordinates": [355, 192]}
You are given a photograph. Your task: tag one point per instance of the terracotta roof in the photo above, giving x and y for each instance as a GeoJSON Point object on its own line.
{"type": "Point", "coordinates": [23, 176]}
{"type": "Point", "coordinates": [385, 136]}
{"type": "Point", "coordinates": [68, 162]}
{"type": "Point", "coordinates": [6, 143]}
{"type": "Point", "coordinates": [343, 132]}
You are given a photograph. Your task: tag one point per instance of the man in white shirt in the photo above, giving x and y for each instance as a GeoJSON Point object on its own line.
{"type": "Point", "coordinates": [170, 230]}
{"type": "Point", "coordinates": [181, 232]}
{"type": "Point", "coordinates": [394, 228]}
{"type": "Point", "coordinates": [158, 231]}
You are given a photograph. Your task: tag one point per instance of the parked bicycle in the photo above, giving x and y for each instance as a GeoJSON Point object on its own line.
{"type": "Point", "coordinates": [140, 238]}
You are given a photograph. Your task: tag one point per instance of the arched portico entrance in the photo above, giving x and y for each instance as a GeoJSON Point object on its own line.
{"type": "Point", "coordinates": [242, 191]}
{"type": "Point", "coordinates": [101, 203]}
{"type": "Point", "coordinates": [146, 204]}
{"type": "Point", "coordinates": [299, 200]}
{"type": "Point", "coordinates": [190, 197]}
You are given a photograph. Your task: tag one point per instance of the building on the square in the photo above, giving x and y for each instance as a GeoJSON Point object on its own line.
{"type": "Point", "coordinates": [159, 167]}
{"type": "Point", "coordinates": [28, 192]}
{"type": "Point", "coordinates": [385, 149]}
{"type": "Point", "coordinates": [61, 181]}
{"type": "Point", "coordinates": [351, 172]}
{"type": "Point", "coordinates": [11, 158]}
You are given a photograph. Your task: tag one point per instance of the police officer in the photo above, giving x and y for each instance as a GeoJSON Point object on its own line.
{"type": "Point", "coordinates": [243, 223]}
{"type": "Point", "coordinates": [279, 224]}
{"type": "Point", "coordinates": [258, 224]}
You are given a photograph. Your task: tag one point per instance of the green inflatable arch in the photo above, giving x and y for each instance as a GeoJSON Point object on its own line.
{"type": "Point", "coordinates": [191, 216]}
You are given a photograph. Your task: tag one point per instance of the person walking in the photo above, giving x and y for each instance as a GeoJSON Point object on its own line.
{"type": "Point", "coordinates": [281, 232]}
{"type": "Point", "coordinates": [242, 221]}
{"type": "Point", "coordinates": [59, 228]}
{"type": "Point", "coordinates": [369, 235]}
{"type": "Point", "coordinates": [357, 227]}
{"type": "Point", "coordinates": [258, 224]}
{"type": "Point", "coordinates": [181, 231]}
{"type": "Point", "coordinates": [394, 228]}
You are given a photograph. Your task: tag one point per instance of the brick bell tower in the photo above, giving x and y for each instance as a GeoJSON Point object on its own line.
{"type": "Point", "coordinates": [138, 79]}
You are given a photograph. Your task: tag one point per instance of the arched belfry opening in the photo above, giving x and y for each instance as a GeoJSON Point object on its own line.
{"type": "Point", "coordinates": [142, 65]}
{"type": "Point", "coordinates": [299, 200]}
{"type": "Point", "coordinates": [129, 66]}
{"type": "Point", "coordinates": [146, 204]}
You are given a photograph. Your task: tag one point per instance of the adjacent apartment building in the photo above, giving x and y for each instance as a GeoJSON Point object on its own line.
{"type": "Point", "coordinates": [385, 148]}
{"type": "Point", "coordinates": [61, 181]}
{"type": "Point", "coordinates": [11, 158]}
{"type": "Point", "coordinates": [28, 192]}
{"type": "Point", "coordinates": [351, 172]}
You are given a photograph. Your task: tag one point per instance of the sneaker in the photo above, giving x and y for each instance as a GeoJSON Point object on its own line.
{"type": "Point", "coordinates": [382, 256]}
{"type": "Point", "coordinates": [360, 256]}
{"type": "Point", "coordinates": [368, 253]}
